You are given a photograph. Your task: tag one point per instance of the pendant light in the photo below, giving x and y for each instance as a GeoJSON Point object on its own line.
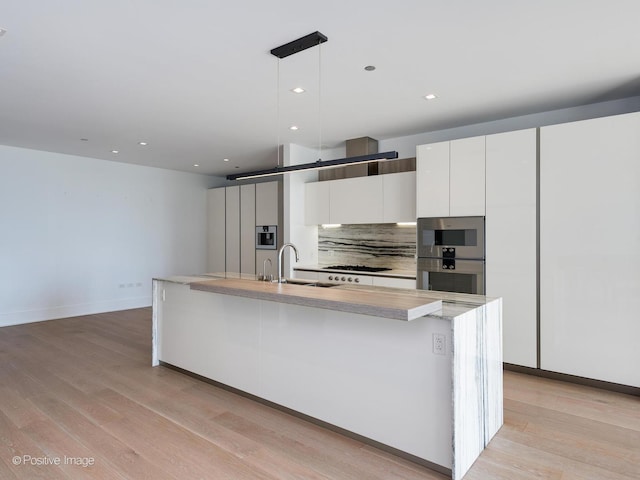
{"type": "Point", "coordinates": [283, 51]}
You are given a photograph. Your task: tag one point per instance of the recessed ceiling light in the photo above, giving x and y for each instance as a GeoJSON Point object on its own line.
{"type": "Point", "coordinates": [196, 164]}
{"type": "Point", "coordinates": [430, 96]}
{"type": "Point", "coordinates": [293, 127]}
{"type": "Point", "coordinates": [115, 151]}
{"type": "Point", "coordinates": [226, 160]}
{"type": "Point", "coordinates": [144, 144]}
{"type": "Point", "coordinates": [298, 90]}
{"type": "Point", "coordinates": [370, 68]}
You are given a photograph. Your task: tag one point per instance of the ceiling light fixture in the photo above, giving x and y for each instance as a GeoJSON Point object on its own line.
{"type": "Point", "coordinates": [298, 90]}
{"type": "Point", "coordinates": [225, 160]}
{"type": "Point", "coordinates": [308, 41]}
{"type": "Point", "coordinates": [430, 96]}
{"type": "Point", "coordinates": [2, 31]}
{"type": "Point", "coordinates": [144, 144]}
{"type": "Point", "coordinates": [115, 151]}
{"type": "Point", "coordinates": [370, 68]}
{"type": "Point", "coordinates": [196, 165]}
{"type": "Point", "coordinates": [293, 127]}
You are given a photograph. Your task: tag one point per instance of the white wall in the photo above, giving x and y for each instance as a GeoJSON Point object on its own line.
{"type": "Point", "coordinates": [304, 237]}
{"type": "Point", "coordinates": [81, 236]}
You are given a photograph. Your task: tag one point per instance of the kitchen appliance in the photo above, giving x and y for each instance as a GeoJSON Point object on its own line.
{"type": "Point", "coordinates": [451, 254]}
{"type": "Point", "coordinates": [266, 237]}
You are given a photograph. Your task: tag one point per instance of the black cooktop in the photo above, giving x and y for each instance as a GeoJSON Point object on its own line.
{"type": "Point", "coordinates": [360, 268]}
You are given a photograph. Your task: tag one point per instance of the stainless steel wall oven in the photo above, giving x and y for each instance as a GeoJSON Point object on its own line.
{"type": "Point", "coordinates": [451, 254]}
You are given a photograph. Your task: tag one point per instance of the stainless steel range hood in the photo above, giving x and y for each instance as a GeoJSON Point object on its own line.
{"type": "Point", "coordinates": [366, 146]}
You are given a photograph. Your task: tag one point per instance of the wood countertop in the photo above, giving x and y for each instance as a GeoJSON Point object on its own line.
{"type": "Point", "coordinates": [396, 304]}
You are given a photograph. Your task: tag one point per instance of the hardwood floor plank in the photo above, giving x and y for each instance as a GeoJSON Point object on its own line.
{"type": "Point", "coordinates": [16, 446]}
{"type": "Point", "coordinates": [84, 386]}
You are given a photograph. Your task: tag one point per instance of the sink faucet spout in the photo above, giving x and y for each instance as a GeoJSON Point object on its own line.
{"type": "Point", "coordinates": [295, 250]}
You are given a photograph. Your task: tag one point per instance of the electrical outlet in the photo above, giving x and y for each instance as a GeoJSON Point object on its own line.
{"type": "Point", "coordinates": [439, 344]}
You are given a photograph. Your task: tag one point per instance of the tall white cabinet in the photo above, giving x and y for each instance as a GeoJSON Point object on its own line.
{"type": "Point", "coordinates": [232, 229]}
{"type": "Point", "coordinates": [216, 232]}
{"type": "Point", "coordinates": [510, 223]}
{"type": "Point", "coordinates": [233, 213]}
{"type": "Point", "coordinates": [268, 212]}
{"type": "Point", "coordinates": [590, 248]}
{"type": "Point", "coordinates": [248, 229]}
{"type": "Point", "coordinates": [494, 177]}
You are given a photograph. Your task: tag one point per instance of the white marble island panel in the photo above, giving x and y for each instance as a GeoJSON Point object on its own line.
{"type": "Point", "coordinates": [367, 375]}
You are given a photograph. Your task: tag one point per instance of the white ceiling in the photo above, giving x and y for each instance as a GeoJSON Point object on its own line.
{"type": "Point", "coordinates": [195, 79]}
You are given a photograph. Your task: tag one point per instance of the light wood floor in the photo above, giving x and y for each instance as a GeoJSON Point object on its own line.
{"type": "Point", "coordinates": [83, 388]}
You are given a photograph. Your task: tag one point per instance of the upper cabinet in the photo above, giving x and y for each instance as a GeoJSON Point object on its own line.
{"type": "Point", "coordinates": [316, 203]}
{"type": "Point", "coordinates": [399, 202]}
{"type": "Point", "coordinates": [356, 200]}
{"type": "Point", "coordinates": [450, 178]}
{"type": "Point", "coordinates": [386, 198]}
{"type": "Point", "coordinates": [267, 203]}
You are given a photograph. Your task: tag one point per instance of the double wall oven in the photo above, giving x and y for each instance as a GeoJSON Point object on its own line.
{"type": "Point", "coordinates": [451, 254]}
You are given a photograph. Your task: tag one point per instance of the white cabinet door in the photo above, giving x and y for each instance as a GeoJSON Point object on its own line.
{"type": "Point", "coordinates": [467, 177]}
{"type": "Point", "coordinates": [232, 229]}
{"type": "Point", "coordinates": [316, 203]}
{"type": "Point", "coordinates": [432, 180]}
{"type": "Point", "coordinates": [590, 248]}
{"type": "Point", "coordinates": [248, 229]}
{"type": "Point", "coordinates": [399, 197]}
{"type": "Point", "coordinates": [267, 203]}
{"type": "Point", "coordinates": [356, 200]}
{"type": "Point", "coordinates": [511, 240]}
{"type": "Point", "coordinates": [216, 230]}
{"type": "Point", "coordinates": [393, 282]}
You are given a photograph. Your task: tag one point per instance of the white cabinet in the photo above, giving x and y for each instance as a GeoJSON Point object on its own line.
{"type": "Point", "coordinates": [356, 200]}
{"type": "Point", "coordinates": [267, 203]}
{"type": "Point", "coordinates": [466, 177]}
{"type": "Point", "coordinates": [399, 197]}
{"type": "Point", "coordinates": [316, 203]}
{"type": "Point", "coordinates": [232, 229]}
{"type": "Point", "coordinates": [432, 180]}
{"type": "Point", "coordinates": [248, 229]}
{"type": "Point", "coordinates": [590, 248]}
{"type": "Point", "coordinates": [450, 178]}
{"type": "Point", "coordinates": [216, 230]}
{"type": "Point", "coordinates": [511, 240]}
{"type": "Point", "coordinates": [393, 282]}
{"type": "Point", "coordinates": [233, 213]}
{"type": "Point", "coordinates": [388, 198]}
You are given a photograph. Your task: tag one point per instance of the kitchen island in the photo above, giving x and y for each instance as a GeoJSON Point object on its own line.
{"type": "Point", "coordinates": [417, 373]}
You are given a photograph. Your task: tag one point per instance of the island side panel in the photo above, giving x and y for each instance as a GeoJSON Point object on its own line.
{"type": "Point", "coordinates": [477, 380]}
{"type": "Point", "coordinates": [216, 336]}
{"type": "Point", "coordinates": [494, 399]}
{"type": "Point", "coordinates": [155, 313]}
{"type": "Point", "coordinates": [468, 390]}
{"type": "Point", "coordinates": [372, 376]}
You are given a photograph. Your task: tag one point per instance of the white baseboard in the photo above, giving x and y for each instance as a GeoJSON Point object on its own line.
{"type": "Point", "coordinates": [75, 310]}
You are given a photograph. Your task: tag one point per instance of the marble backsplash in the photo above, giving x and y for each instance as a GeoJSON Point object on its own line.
{"type": "Point", "coordinates": [375, 245]}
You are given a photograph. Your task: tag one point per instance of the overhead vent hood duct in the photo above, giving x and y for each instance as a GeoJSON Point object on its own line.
{"type": "Point", "coordinates": [356, 147]}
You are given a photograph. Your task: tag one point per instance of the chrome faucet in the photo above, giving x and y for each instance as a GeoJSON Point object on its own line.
{"type": "Point", "coordinates": [264, 270]}
{"type": "Point", "coordinates": [280, 279]}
